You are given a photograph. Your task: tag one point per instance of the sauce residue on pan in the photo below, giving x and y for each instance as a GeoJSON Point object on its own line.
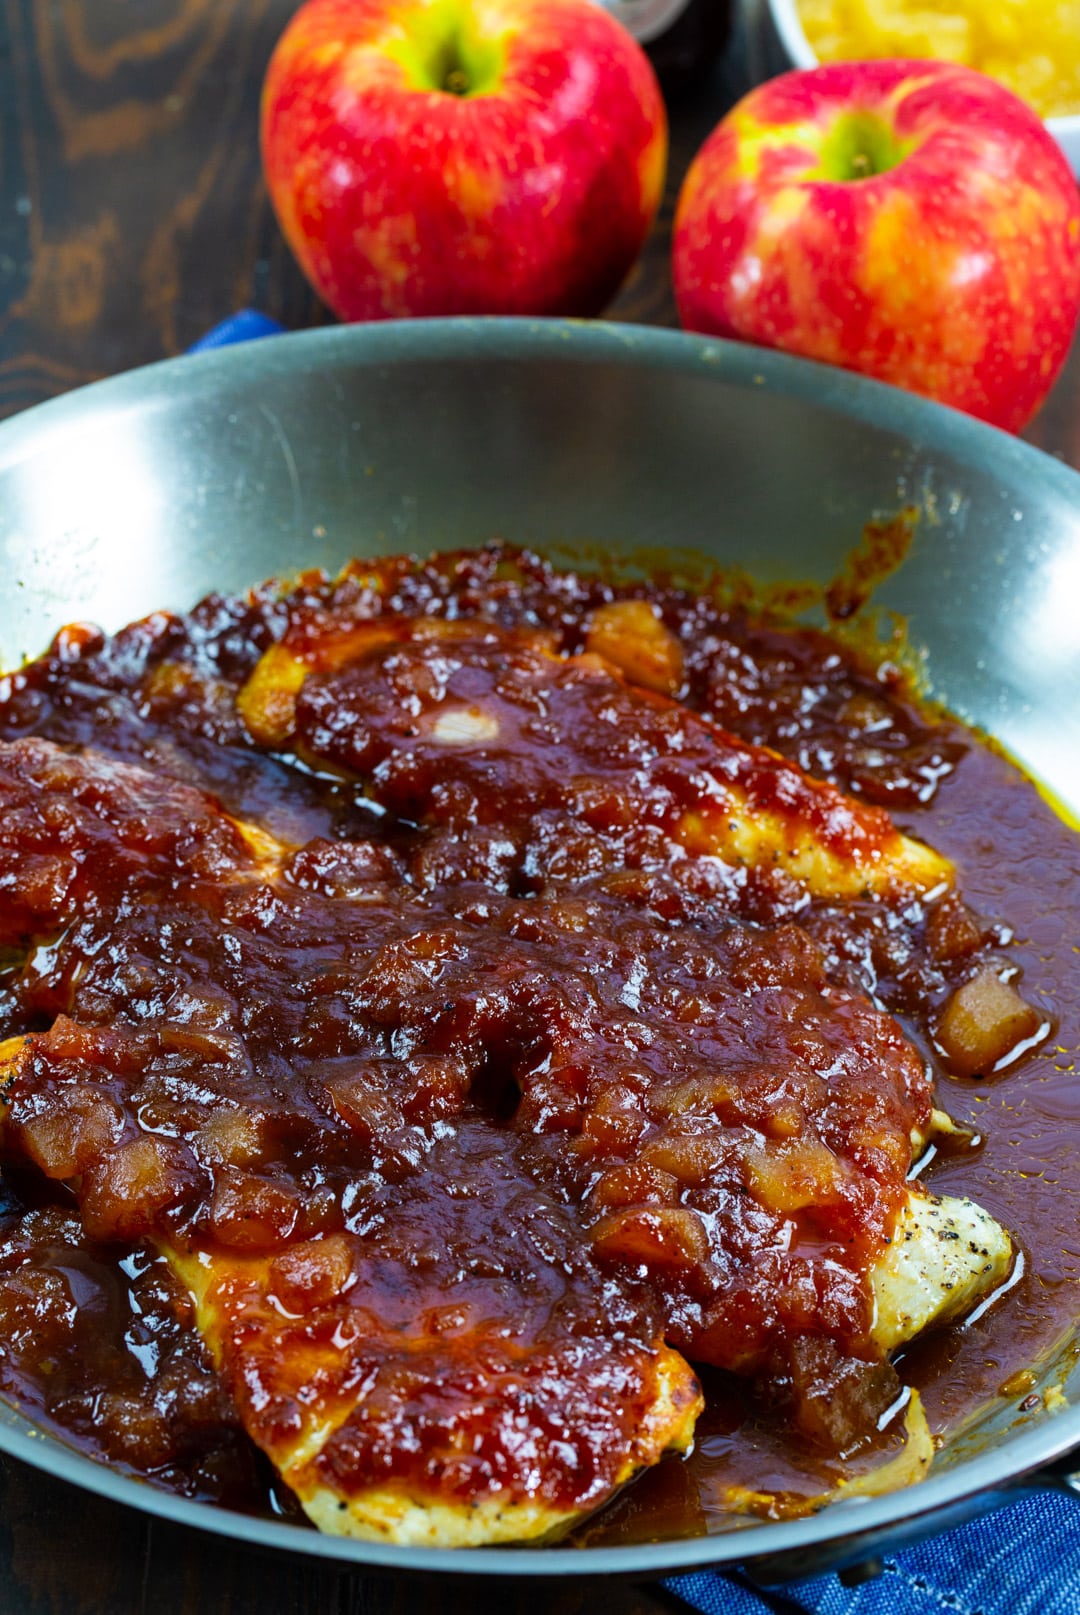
{"type": "Point", "coordinates": [97, 1337]}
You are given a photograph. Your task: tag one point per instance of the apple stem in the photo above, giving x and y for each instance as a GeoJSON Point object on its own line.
{"type": "Point", "coordinates": [859, 144]}
{"type": "Point", "coordinates": [449, 51]}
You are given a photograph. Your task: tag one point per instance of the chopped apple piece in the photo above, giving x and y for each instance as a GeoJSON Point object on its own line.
{"type": "Point", "coordinates": [631, 636]}
{"type": "Point", "coordinates": [267, 702]}
{"type": "Point", "coordinates": [985, 1024]}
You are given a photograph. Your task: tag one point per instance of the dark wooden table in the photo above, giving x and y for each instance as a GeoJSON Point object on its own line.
{"type": "Point", "coordinates": [132, 218]}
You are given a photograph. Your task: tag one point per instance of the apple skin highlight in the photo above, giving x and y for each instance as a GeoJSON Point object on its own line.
{"type": "Point", "coordinates": [911, 220]}
{"type": "Point", "coordinates": [433, 157]}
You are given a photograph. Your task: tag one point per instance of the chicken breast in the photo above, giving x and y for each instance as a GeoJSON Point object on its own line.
{"type": "Point", "coordinates": [324, 1382]}
{"type": "Point", "coordinates": [497, 1390]}
{"type": "Point", "coordinates": [458, 1186]}
{"type": "Point", "coordinates": [459, 724]}
{"type": "Point", "coordinates": [486, 1444]}
{"type": "Point", "coordinates": [945, 1254]}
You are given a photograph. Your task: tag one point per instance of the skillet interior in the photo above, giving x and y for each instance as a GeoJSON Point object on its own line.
{"type": "Point", "coordinates": [214, 472]}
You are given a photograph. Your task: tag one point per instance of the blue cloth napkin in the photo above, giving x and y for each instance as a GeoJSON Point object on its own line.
{"type": "Point", "coordinates": [1021, 1560]}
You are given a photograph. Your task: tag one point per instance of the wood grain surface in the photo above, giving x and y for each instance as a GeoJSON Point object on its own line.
{"type": "Point", "coordinates": [64, 1552]}
{"type": "Point", "coordinates": [133, 218]}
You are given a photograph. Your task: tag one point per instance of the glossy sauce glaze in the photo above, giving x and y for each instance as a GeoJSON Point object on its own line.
{"type": "Point", "coordinates": [606, 954]}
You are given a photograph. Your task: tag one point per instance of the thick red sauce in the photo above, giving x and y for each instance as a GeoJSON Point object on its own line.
{"type": "Point", "coordinates": [508, 974]}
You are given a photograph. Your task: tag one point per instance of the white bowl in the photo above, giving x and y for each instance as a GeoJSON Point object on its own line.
{"type": "Point", "coordinates": [790, 48]}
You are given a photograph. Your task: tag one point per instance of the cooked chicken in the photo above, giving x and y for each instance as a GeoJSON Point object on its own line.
{"type": "Point", "coordinates": [945, 1254]}
{"type": "Point", "coordinates": [434, 1429]}
{"type": "Point", "coordinates": [449, 1180]}
{"type": "Point", "coordinates": [459, 724]}
{"type": "Point", "coordinates": [494, 1391]}
{"type": "Point", "coordinates": [316, 1347]}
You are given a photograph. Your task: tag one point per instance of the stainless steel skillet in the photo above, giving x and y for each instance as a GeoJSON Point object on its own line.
{"type": "Point", "coordinates": [211, 473]}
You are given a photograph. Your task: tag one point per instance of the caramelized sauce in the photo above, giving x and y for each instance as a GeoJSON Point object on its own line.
{"type": "Point", "coordinates": [96, 1338]}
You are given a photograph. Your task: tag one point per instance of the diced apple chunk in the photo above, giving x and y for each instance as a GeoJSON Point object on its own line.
{"type": "Point", "coordinates": [464, 726]}
{"type": "Point", "coordinates": [663, 1239]}
{"type": "Point", "coordinates": [983, 1023]}
{"type": "Point", "coordinates": [630, 635]}
{"type": "Point", "coordinates": [267, 702]}
{"type": "Point", "coordinates": [788, 1177]}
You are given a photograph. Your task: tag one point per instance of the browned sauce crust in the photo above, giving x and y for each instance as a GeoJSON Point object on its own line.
{"type": "Point", "coordinates": [404, 941]}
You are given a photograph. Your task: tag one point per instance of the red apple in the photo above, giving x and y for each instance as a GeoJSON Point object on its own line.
{"type": "Point", "coordinates": [462, 156]}
{"type": "Point", "coordinates": [912, 220]}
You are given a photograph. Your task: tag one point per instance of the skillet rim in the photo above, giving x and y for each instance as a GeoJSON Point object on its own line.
{"type": "Point", "coordinates": [973, 1484]}
{"type": "Point", "coordinates": [469, 337]}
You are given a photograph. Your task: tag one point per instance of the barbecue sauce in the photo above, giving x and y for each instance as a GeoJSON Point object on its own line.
{"type": "Point", "coordinates": [97, 1338]}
